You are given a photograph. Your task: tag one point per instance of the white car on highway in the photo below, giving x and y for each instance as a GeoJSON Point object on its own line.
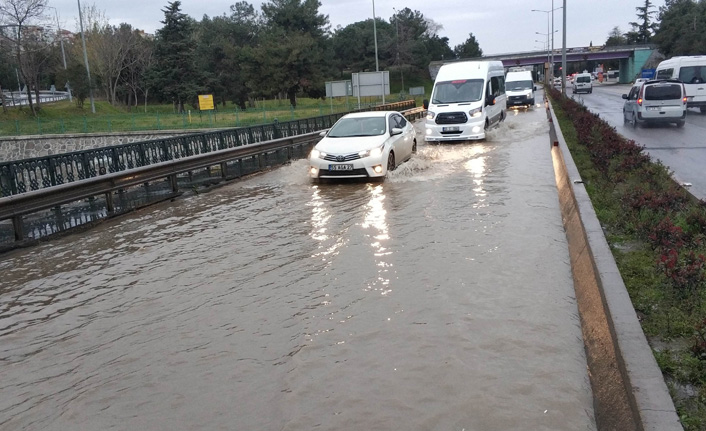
{"type": "Point", "coordinates": [363, 145]}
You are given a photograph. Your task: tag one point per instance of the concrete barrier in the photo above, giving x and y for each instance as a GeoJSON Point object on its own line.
{"type": "Point", "coordinates": [629, 390]}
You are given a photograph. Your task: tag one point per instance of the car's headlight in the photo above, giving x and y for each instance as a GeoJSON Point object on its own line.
{"type": "Point", "coordinates": [374, 152]}
{"type": "Point", "coordinates": [430, 115]}
{"type": "Point", "coordinates": [475, 112]}
{"type": "Point", "coordinates": [316, 154]}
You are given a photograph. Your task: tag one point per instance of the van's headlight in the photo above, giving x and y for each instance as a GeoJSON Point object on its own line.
{"type": "Point", "coordinates": [430, 115]}
{"type": "Point", "coordinates": [373, 152]}
{"type": "Point", "coordinates": [316, 154]}
{"type": "Point", "coordinates": [475, 112]}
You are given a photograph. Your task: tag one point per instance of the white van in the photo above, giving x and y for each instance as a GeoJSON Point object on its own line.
{"type": "Point", "coordinates": [468, 98]}
{"type": "Point", "coordinates": [582, 82]}
{"type": "Point", "coordinates": [692, 72]}
{"type": "Point", "coordinates": [519, 88]}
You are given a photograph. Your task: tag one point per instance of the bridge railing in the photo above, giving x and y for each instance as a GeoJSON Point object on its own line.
{"type": "Point", "coordinates": [21, 176]}
{"type": "Point", "coordinates": [145, 174]}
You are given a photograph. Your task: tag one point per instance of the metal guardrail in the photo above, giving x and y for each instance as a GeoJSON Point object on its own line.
{"type": "Point", "coordinates": [187, 156]}
{"type": "Point", "coordinates": [20, 176]}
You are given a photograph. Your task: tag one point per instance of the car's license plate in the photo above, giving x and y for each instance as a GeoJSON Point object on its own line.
{"type": "Point", "coordinates": [450, 129]}
{"type": "Point", "coordinates": [347, 167]}
{"type": "Point", "coordinates": [654, 108]}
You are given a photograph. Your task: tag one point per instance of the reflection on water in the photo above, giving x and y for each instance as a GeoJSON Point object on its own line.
{"type": "Point", "coordinates": [417, 303]}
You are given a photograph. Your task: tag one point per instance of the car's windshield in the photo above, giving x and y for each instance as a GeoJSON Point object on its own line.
{"type": "Point", "coordinates": [358, 126]}
{"type": "Point", "coordinates": [518, 85]}
{"type": "Point", "coordinates": [459, 91]}
{"type": "Point", "coordinates": [663, 92]}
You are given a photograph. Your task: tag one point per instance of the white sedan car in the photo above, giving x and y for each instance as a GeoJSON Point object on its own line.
{"type": "Point", "coordinates": [363, 145]}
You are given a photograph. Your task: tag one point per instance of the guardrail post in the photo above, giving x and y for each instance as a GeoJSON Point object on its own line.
{"type": "Point", "coordinates": [173, 182]}
{"type": "Point", "coordinates": [109, 204]}
{"type": "Point", "coordinates": [17, 227]}
{"type": "Point", "coordinates": [224, 167]}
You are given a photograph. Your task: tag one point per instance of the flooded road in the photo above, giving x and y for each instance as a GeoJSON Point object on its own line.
{"type": "Point", "coordinates": [441, 299]}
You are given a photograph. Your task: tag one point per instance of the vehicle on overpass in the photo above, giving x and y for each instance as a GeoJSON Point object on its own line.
{"type": "Point", "coordinates": [468, 98]}
{"type": "Point", "coordinates": [363, 145]}
{"type": "Point", "coordinates": [691, 71]}
{"type": "Point", "coordinates": [656, 101]}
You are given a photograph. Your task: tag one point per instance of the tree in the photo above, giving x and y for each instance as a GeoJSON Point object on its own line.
{"type": "Point", "coordinates": [19, 14]}
{"type": "Point", "coordinates": [682, 29]}
{"type": "Point", "coordinates": [223, 44]}
{"type": "Point", "coordinates": [616, 38]}
{"type": "Point", "coordinates": [140, 58]}
{"type": "Point", "coordinates": [175, 75]}
{"type": "Point", "coordinates": [111, 55]}
{"type": "Point", "coordinates": [469, 48]}
{"type": "Point", "coordinates": [75, 73]}
{"type": "Point", "coordinates": [292, 56]}
{"type": "Point", "coordinates": [645, 26]}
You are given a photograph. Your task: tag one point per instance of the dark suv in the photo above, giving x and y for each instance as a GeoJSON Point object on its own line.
{"type": "Point", "coordinates": [656, 101]}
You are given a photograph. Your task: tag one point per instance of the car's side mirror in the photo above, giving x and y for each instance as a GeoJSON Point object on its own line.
{"type": "Point", "coordinates": [425, 104]}
{"type": "Point", "coordinates": [395, 131]}
{"type": "Point", "coordinates": [323, 133]}
{"type": "Point", "coordinates": [625, 96]}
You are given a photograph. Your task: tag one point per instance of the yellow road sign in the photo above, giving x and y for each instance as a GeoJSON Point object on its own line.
{"type": "Point", "coordinates": [205, 102]}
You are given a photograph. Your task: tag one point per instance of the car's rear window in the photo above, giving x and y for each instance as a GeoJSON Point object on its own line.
{"type": "Point", "coordinates": [663, 92]}
{"type": "Point", "coordinates": [583, 79]}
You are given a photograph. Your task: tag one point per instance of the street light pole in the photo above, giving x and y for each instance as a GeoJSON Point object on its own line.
{"type": "Point", "coordinates": [550, 54]}
{"type": "Point", "coordinates": [563, 54]}
{"type": "Point", "coordinates": [85, 57]}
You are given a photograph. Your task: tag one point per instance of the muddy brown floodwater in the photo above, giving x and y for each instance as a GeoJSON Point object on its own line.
{"type": "Point", "coordinates": [440, 299]}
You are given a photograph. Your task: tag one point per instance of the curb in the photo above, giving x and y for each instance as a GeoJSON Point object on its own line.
{"type": "Point", "coordinates": [628, 387]}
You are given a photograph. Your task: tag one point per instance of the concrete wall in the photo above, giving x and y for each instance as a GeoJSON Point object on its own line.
{"type": "Point", "coordinates": [628, 387]}
{"type": "Point", "coordinates": [27, 147]}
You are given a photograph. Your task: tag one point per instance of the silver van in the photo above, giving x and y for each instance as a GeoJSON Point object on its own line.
{"type": "Point", "coordinates": [656, 101]}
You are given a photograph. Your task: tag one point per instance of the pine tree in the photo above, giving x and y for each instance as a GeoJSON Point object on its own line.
{"type": "Point", "coordinates": [176, 75]}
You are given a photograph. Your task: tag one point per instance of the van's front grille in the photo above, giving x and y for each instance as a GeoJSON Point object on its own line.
{"type": "Point", "coordinates": [451, 118]}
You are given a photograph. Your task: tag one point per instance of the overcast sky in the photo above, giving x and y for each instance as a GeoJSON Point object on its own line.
{"type": "Point", "coordinates": [499, 26]}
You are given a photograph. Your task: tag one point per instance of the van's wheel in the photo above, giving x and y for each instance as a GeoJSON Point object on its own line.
{"type": "Point", "coordinates": [414, 146]}
{"type": "Point", "coordinates": [487, 124]}
{"type": "Point", "coordinates": [391, 162]}
{"type": "Point", "coordinates": [680, 123]}
{"type": "Point", "coordinates": [625, 119]}
{"type": "Point", "coordinates": [703, 109]}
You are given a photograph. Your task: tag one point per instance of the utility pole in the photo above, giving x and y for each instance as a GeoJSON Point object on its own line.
{"type": "Point", "coordinates": [85, 57]}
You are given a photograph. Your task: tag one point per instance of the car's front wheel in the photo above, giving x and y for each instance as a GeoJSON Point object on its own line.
{"type": "Point", "coordinates": [391, 162]}
{"type": "Point", "coordinates": [414, 146]}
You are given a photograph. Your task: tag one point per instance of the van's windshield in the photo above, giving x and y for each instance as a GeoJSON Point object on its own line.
{"type": "Point", "coordinates": [458, 91]}
{"type": "Point", "coordinates": [518, 85]}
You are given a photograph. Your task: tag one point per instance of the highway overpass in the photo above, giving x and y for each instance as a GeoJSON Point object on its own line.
{"type": "Point", "coordinates": [632, 58]}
